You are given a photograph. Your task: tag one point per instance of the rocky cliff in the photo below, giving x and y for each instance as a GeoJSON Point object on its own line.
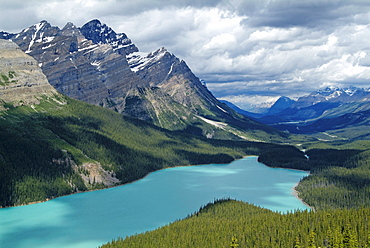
{"type": "Point", "coordinates": [21, 79]}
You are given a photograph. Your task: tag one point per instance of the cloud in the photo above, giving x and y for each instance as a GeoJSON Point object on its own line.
{"type": "Point", "coordinates": [303, 13]}
{"type": "Point", "coordinates": [251, 102]}
{"type": "Point", "coordinates": [266, 48]}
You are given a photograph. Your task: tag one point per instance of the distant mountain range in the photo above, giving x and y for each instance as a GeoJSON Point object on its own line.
{"type": "Point", "coordinates": [95, 64]}
{"type": "Point", "coordinates": [331, 108]}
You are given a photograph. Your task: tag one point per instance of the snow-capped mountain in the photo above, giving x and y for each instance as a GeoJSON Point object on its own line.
{"type": "Point", "coordinates": [99, 66]}
{"type": "Point", "coordinates": [326, 109]}
{"type": "Point", "coordinates": [333, 95]}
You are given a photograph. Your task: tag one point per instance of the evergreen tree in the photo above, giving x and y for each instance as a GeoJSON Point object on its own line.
{"type": "Point", "coordinates": [234, 242]}
{"type": "Point", "coordinates": [297, 243]}
{"type": "Point", "coordinates": [311, 240]}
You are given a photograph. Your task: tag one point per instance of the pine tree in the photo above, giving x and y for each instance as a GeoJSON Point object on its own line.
{"type": "Point", "coordinates": [329, 241]}
{"type": "Point", "coordinates": [349, 239]}
{"type": "Point", "coordinates": [311, 240]}
{"type": "Point", "coordinates": [234, 242]}
{"type": "Point", "coordinates": [297, 243]}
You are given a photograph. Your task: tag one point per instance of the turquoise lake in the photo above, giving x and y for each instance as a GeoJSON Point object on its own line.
{"type": "Point", "coordinates": [88, 220]}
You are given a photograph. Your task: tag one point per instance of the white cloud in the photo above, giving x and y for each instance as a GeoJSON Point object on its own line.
{"type": "Point", "coordinates": [249, 102]}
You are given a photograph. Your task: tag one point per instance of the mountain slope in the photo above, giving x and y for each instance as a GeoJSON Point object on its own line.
{"type": "Point", "coordinates": [21, 80]}
{"type": "Point", "coordinates": [96, 65]}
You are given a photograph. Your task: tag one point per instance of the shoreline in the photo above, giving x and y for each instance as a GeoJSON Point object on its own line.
{"type": "Point", "coordinates": [295, 194]}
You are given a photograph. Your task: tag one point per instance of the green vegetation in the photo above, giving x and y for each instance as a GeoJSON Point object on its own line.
{"type": "Point", "coordinates": [344, 184]}
{"type": "Point", "coordinates": [229, 223]}
{"type": "Point", "coordinates": [43, 149]}
{"type": "Point", "coordinates": [340, 178]}
{"type": "Point", "coordinates": [5, 78]}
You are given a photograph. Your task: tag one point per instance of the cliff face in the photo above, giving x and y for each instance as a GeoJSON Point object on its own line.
{"type": "Point", "coordinates": [164, 70]}
{"type": "Point", "coordinates": [21, 80]}
{"type": "Point", "coordinates": [77, 67]}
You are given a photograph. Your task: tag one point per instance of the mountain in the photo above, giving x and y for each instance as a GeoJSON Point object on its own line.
{"type": "Point", "coordinates": [53, 145]}
{"type": "Point", "coordinates": [281, 104]}
{"type": "Point", "coordinates": [100, 33]}
{"type": "Point", "coordinates": [343, 111]}
{"type": "Point", "coordinates": [319, 104]}
{"type": "Point", "coordinates": [315, 104]}
{"type": "Point", "coordinates": [96, 65]}
{"type": "Point", "coordinates": [334, 95]}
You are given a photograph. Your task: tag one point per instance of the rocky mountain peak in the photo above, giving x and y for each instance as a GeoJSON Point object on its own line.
{"type": "Point", "coordinates": [158, 53]}
{"type": "Point", "coordinates": [6, 35]}
{"type": "Point", "coordinates": [282, 103]}
{"type": "Point", "coordinates": [139, 61]}
{"type": "Point", "coordinates": [336, 94]}
{"type": "Point", "coordinates": [70, 30]}
{"type": "Point", "coordinates": [100, 33]}
{"type": "Point", "coordinates": [39, 33]}
{"type": "Point", "coordinates": [326, 91]}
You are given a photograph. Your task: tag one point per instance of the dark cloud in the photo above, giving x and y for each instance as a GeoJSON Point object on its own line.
{"type": "Point", "coordinates": [307, 13]}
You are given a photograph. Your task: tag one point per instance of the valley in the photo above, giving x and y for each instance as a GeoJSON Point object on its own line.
{"type": "Point", "coordinates": [82, 109]}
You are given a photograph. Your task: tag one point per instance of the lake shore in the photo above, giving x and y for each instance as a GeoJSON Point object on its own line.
{"type": "Point", "coordinates": [108, 187]}
{"type": "Point", "coordinates": [295, 192]}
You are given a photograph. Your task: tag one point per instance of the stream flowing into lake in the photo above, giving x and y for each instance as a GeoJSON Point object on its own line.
{"type": "Point", "coordinates": [90, 219]}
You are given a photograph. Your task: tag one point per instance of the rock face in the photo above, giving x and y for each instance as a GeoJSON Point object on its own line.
{"type": "Point", "coordinates": [21, 80]}
{"type": "Point", "coordinates": [96, 65]}
{"type": "Point", "coordinates": [77, 67]}
{"type": "Point", "coordinates": [100, 33]}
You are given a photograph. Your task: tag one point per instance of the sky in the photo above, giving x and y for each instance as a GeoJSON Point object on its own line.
{"type": "Point", "coordinates": [247, 51]}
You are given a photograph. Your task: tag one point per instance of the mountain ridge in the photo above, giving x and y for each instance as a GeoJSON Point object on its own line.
{"type": "Point", "coordinates": [96, 65]}
{"type": "Point", "coordinates": [344, 112]}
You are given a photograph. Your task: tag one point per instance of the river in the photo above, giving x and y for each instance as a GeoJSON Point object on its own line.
{"type": "Point", "coordinates": [90, 219]}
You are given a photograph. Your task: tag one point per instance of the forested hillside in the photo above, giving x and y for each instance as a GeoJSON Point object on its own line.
{"type": "Point", "coordinates": [62, 146]}
{"type": "Point", "coordinates": [237, 224]}
{"type": "Point", "coordinates": [340, 178]}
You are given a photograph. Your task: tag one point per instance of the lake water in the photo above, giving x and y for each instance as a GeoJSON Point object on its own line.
{"type": "Point", "coordinates": [90, 219]}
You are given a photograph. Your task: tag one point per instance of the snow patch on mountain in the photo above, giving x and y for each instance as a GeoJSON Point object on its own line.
{"type": "Point", "coordinates": [137, 61]}
{"type": "Point", "coordinates": [213, 123]}
{"type": "Point", "coordinates": [37, 27]}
